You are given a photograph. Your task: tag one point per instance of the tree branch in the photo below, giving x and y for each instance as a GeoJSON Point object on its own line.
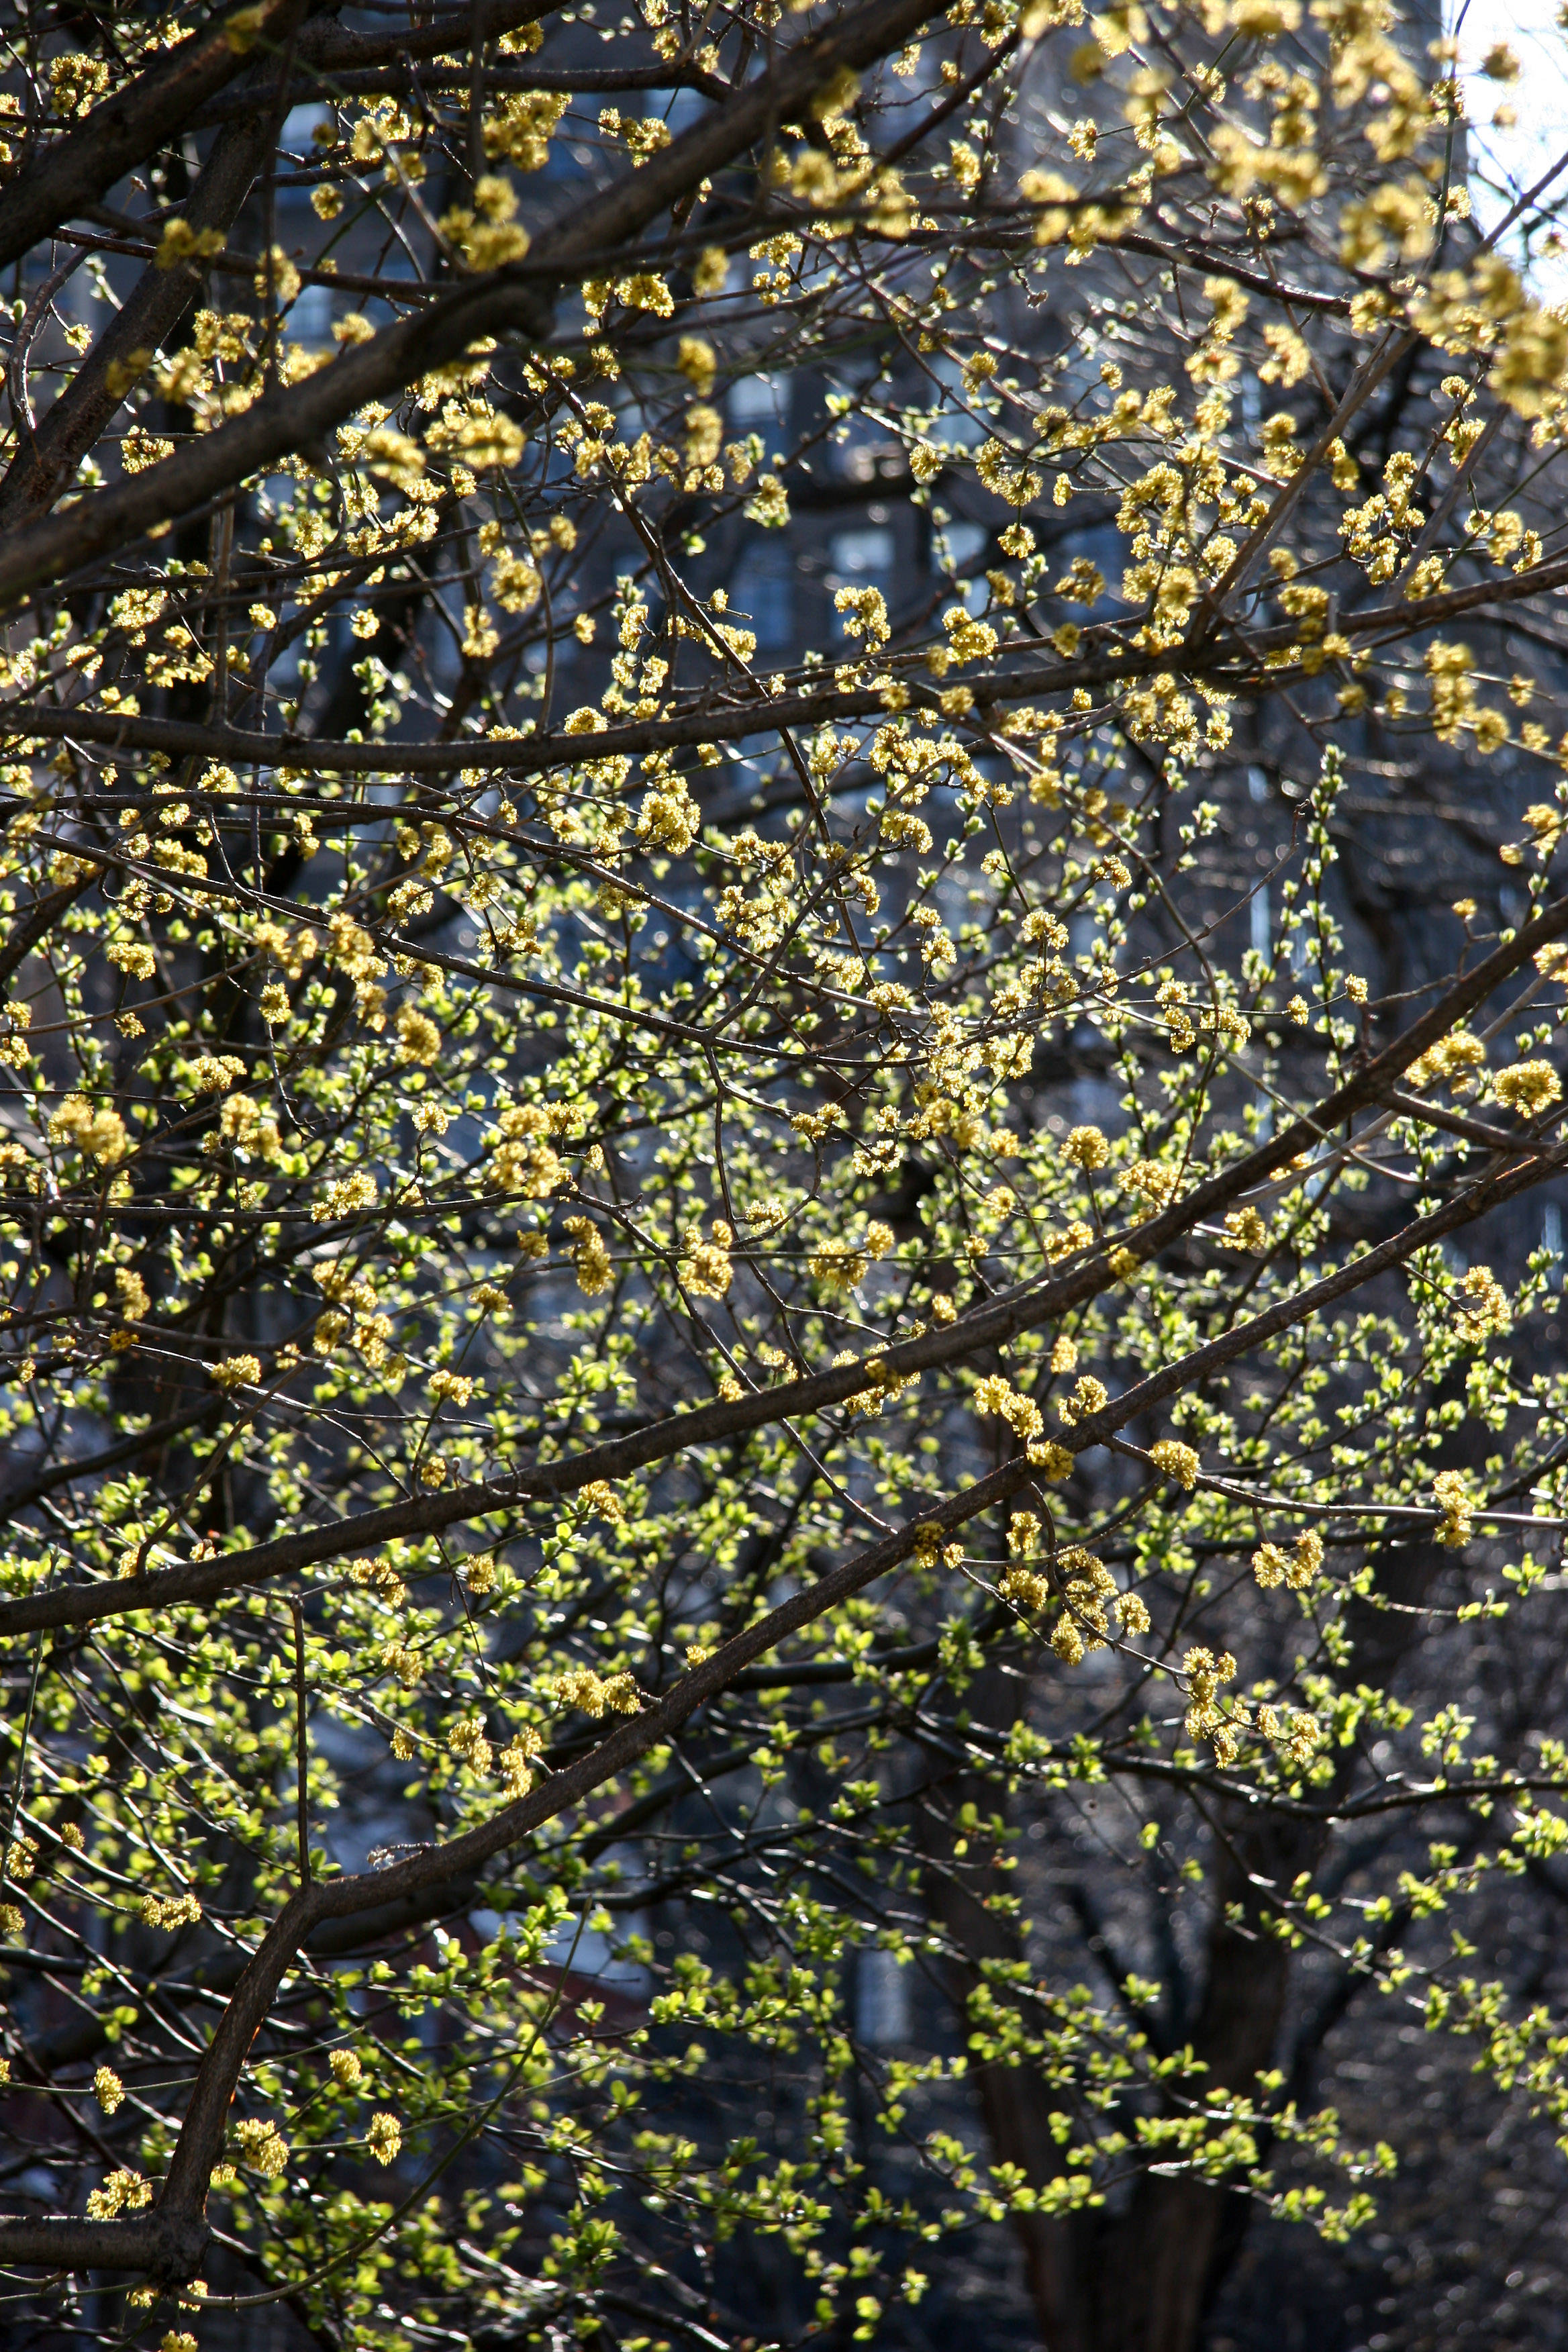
{"type": "Point", "coordinates": [1000, 1319]}
{"type": "Point", "coordinates": [715, 719]}
{"type": "Point", "coordinates": [202, 2133]}
{"type": "Point", "coordinates": [75, 171]}
{"type": "Point", "coordinates": [44, 463]}
{"type": "Point", "coordinates": [500, 301]}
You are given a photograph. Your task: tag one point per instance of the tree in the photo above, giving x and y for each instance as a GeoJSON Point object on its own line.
{"type": "Point", "coordinates": [639, 1337]}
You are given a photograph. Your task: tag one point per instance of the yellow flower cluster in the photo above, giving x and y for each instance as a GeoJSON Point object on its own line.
{"type": "Point", "coordinates": [97, 1134]}
{"type": "Point", "coordinates": [1177, 1460]}
{"type": "Point", "coordinates": [262, 2147]}
{"type": "Point", "coordinates": [706, 1269]}
{"type": "Point", "coordinates": [994, 1395]}
{"type": "Point", "coordinates": [1085, 1147]}
{"type": "Point", "coordinates": [123, 2191]}
{"type": "Point", "coordinates": [590, 1257]}
{"type": "Point", "coordinates": [1528, 1088]}
{"type": "Point", "coordinates": [1273, 1565]}
{"type": "Point", "coordinates": [595, 1695]}
{"type": "Point", "coordinates": [1457, 1507]}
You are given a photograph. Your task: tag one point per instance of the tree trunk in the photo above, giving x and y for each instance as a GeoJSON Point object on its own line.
{"type": "Point", "coordinates": [1140, 2279]}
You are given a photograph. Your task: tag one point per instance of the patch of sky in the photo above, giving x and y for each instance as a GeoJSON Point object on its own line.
{"type": "Point", "coordinates": [1519, 131]}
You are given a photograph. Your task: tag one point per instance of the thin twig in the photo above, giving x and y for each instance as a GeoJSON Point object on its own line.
{"type": "Point", "coordinates": [301, 1755]}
